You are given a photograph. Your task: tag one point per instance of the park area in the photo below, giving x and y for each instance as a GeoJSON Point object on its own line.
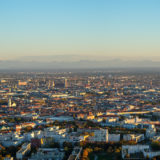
{"type": "Point", "coordinates": [104, 156]}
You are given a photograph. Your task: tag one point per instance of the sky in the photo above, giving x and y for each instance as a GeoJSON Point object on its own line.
{"type": "Point", "coordinates": [127, 29]}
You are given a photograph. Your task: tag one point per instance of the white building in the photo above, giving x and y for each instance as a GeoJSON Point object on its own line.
{"type": "Point", "coordinates": [131, 149]}
{"type": "Point", "coordinates": [48, 154]}
{"type": "Point", "coordinates": [133, 137]}
{"type": "Point", "coordinates": [113, 137]}
{"type": "Point", "coordinates": [100, 135]}
{"type": "Point", "coordinates": [150, 129]}
{"type": "Point", "coordinates": [132, 120]}
{"type": "Point", "coordinates": [144, 149]}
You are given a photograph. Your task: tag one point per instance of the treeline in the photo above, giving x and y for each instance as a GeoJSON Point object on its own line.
{"type": "Point", "coordinates": [104, 149]}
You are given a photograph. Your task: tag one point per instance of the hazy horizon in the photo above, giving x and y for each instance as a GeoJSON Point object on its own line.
{"type": "Point", "coordinates": [36, 32]}
{"type": "Point", "coordinates": [75, 62]}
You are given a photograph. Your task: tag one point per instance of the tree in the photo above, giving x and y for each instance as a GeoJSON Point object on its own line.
{"type": "Point", "coordinates": [75, 129]}
{"type": "Point", "coordinates": [117, 150]}
{"type": "Point", "coordinates": [8, 155]}
{"type": "Point", "coordinates": [85, 153]}
{"type": "Point", "coordinates": [127, 156]}
{"type": "Point", "coordinates": [147, 157]}
{"type": "Point", "coordinates": [104, 120]}
{"type": "Point", "coordinates": [155, 145]}
{"type": "Point", "coordinates": [109, 150]}
{"type": "Point", "coordinates": [66, 148]}
{"type": "Point", "coordinates": [97, 149]}
{"type": "Point", "coordinates": [82, 143]}
{"type": "Point", "coordinates": [28, 128]}
{"type": "Point", "coordinates": [1, 158]}
{"type": "Point", "coordinates": [92, 134]}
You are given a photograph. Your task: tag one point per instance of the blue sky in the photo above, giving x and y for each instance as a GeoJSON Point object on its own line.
{"type": "Point", "coordinates": [107, 28]}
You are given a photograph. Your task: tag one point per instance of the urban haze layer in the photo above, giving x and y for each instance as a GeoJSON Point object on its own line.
{"type": "Point", "coordinates": [80, 115]}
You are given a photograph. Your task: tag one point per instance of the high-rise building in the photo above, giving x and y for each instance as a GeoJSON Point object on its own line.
{"type": "Point", "coordinates": [53, 84]}
{"type": "Point", "coordinates": [9, 102]}
{"type": "Point", "coordinates": [66, 83]}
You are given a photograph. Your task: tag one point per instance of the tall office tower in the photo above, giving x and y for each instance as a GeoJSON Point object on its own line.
{"type": "Point", "coordinates": [53, 84]}
{"type": "Point", "coordinates": [49, 84]}
{"type": "Point", "coordinates": [151, 83]}
{"type": "Point", "coordinates": [89, 82]}
{"type": "Point", "coordinates": [65, 83]}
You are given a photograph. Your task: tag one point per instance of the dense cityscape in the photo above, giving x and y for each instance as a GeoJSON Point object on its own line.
{"type": "Point", "coordinates": [79, 79]}
{"type": "Point", "coordinates": [89, 115]}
